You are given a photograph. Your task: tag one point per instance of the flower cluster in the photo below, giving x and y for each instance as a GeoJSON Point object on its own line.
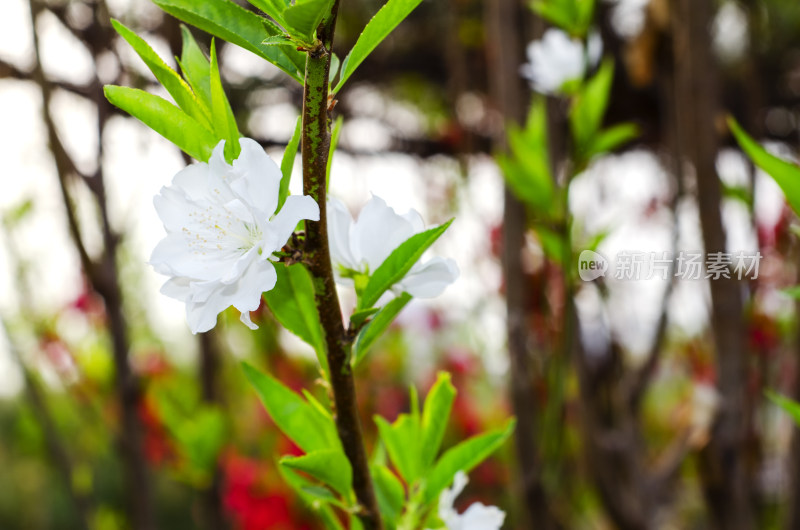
{"type": "Point", "coordinates": [222, 231]}
{"type": "Point", "coordinates": [359, 246]}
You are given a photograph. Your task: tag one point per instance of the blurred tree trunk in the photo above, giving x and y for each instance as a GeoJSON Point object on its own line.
{"type": "Point", "coordinates": [723, 460]}
{"type": "Point", "coordinates": [214, 509]}
{"type": "Point", "coordinates": [504, 57]}
{"type": "Point", "coordinates": [103, 272]}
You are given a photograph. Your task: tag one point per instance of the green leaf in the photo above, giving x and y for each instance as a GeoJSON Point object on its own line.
{"type": "Point", "coordinates": [318, 499]}
{"type": "Point", "coordinates": [389, 492]}
{"type": "Point", "coordinates": [337, 128]}
{"type": "Point", "coordinates": [228, 21]}
{"type": "Point", "coordinates": [589, 107]}
{"type": "Point", "coordinates": [358, 318]}
{"type": "Point", "coordinates": [334, 68]}
{"type": "Point", "coordinates": [165, 75]}
{"type": "Point", "coordinates": [301, 422]}
{"type": "Point", "coordinates": [527, 171]}
{"type": "Point", "coordinates": [792, 292]}
{"type": "Point", "coordinates": [786, 174]}
{"type": "Point", "coordinates": [398, 264]}
{"type": "Point", "coordinates": [377, 29]}
{"type": "Point", "coordinates": [196, 68]}
{"type": "Point", "coordinates": [293, 304]}
{"type": "Point", "coordinates": [435, 415]}
{"type": "Point", "coordinates": [278, 40]}
{"type": "Point", "coordinates": [612, 138]}
{"type": "Point", "coordinates": [377, 326]}
{"type": "Point", "coordinates": [221, 112]}
{"type": "Point", "coordinates": [464, 457]}
{"type": "Point", "coordinates": [788, 405]}
{"type": "Point", "coordinates": [554, 12]}
{"type": "Point", "coordinates": [165, 118]}
{"type": "Point", "coordinates": [304, 16]}
{"type": "Point", "coordinates": [552, 243]}
{"type": "Point", "coordinates": [401, 440]}
{"type": "Point", "coordinates": [329, 466]}
{"type": "Point", "coordinates": [273, 8]}
{"type": "Point", "coordinates": [287, 163]}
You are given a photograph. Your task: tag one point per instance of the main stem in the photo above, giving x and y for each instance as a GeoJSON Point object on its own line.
{"type": "Point", "coordinates": [315, 145]}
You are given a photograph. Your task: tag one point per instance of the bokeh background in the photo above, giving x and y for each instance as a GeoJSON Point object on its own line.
{"type": "Point", "coordinates": [422, 125]}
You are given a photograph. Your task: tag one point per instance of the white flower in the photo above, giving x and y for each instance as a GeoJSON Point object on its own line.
{"type": "Point", "coordinates": [477, 517]}
{"type": "Point", "coordinates": [359, 247]}
{"type": "Point", "coordinates": [557, 59]}
{"type": "Point", "coordinates": [221, 232]}
{"type": "Point", "coordinates": [628, 17]}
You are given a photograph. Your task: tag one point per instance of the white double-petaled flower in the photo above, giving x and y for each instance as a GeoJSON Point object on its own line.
{"type": "Point", "coordinates": [222, 230]}
{"type": "Point", "coordinates": [358, 247]}
{"type": "Point", "coordinates": [477, 517]}
{"type": "Point", "coordinates": [557, 59]}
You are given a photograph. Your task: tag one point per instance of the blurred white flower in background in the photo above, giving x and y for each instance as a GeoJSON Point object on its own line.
{"type": "Point", "coordinates": [628, 17]}
{"type": "Point", "coordinates": [730, 32]}
{"type": "Point", "coordinates": [221, 232]}
{"type": "Point", "coordinates": [358, 247]}
{"type": "Point", "coordinates": [477, 517]}
{"type": "Point", "coordinates": [557, 59]}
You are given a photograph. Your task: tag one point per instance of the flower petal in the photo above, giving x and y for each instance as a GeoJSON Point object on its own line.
{"type": "Point", "coordinates": [340, 225]}
{"type": "Point", "coordinates": [430, 279]}
{"type": "Point", "coordinates": [481, 517]}
{"type": "Point", "coordinates": [377, 232]}
{"type": "Point", "coordinates": [295, 209]}
{"type": "Point", "coordinates": [192, 181]}
{"type": "Point", "coordinates": [258, 177]}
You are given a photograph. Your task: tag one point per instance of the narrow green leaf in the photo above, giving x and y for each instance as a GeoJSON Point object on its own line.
{"type": "Point", "coordinates": [304, 16]}
{"type": "Point", "coordinates": [389, 492]}
{"type": "Point", "coordinates": [589, 107]}
{"type": "Point", "coordinates": [377, 326]}
{"type": "Point", "coordinates": [302, 423]}
{"type": "Point", "coordinates": [401, 440]}
{"type": "Point", "coordinates": [278, 40]}
{"type": "Point", "coordinates": [398, 264]}
{"type": "Point", "coordinates": [287, 162]}
{"type": "Point", "coordinates": [789, 406]}
{"type": "Point", "coordinates": [552, 243]}
{"type": "Point", "coordinates": [221, 112]}
{"type": "Point", "coordinates": [165, 75]}
{"type": "Point", "coordinates": [464, 457]}
{"type": "Point", "coordinates": [358, 318]}
{"type": "Point", "coordinates": [612, 138]}
{"type": "Point", "coordinates": [435, 415]}
{"type": "Point", "coordinates": [233, 23]}
{"type": "Point", "coordinates": [553, 12]}
{"type": "Point", "coordinates": [273, 8]}
{"type": "Point", "coordinates": [293, 304]}
{"type": "Point", "coordinates": [329, 466]}
{"type": "Point", "coordinates": [334, 68]}
{"type": "Point", "coordinates": [311, 496]}
{"type": "Point", "coordinates": [377, 29]}
{"type": "Point", "coordinates": [165, 118]}
{"type": "Point", "coordinates": [196, 68]}
{"type": "Point", "coordinates": [337, 128]}
{"type": "Point", "coordinates": [786, 174]}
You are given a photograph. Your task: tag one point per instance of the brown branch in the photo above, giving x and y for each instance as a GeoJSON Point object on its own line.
{"type": "Point", "coordinates": [314, 148]}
